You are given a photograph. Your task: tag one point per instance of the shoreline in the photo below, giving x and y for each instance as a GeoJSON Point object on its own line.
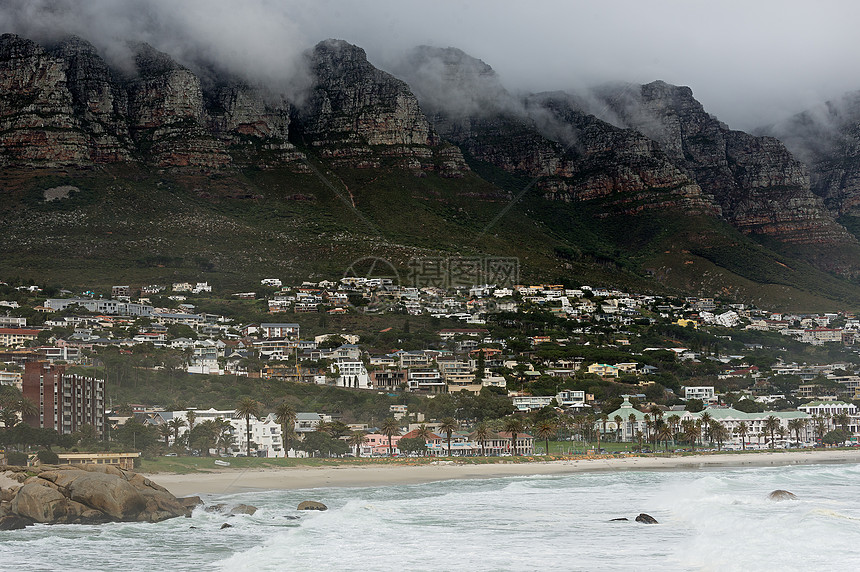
{"type": "Point", "coordinates": [348, 476]}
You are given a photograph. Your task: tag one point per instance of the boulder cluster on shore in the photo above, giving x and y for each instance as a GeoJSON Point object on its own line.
{"type": "Point", "coordinates": [83, 494]}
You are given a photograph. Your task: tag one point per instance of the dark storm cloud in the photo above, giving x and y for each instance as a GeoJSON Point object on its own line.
{"type": "Point", "coordinates": [750, 63]}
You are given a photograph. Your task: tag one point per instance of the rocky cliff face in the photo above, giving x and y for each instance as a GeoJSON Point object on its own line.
{"type": "Point", "coordinates": [166, 117]}
{"type": "Point", "coordinates": [255, 125]}
{"type": "Point", "coordinates": [572, 155]}
{"type": "Point", "coordinates": [65, 107]}
{"type": "Point", "coordinates": [827, 140]}
{"type": "Point", "coordinates": [38, 124]}
{"type": "Point", "coordinates": [100, 104]}
{"type": "Point", "coordinates": [759, 186]}
{"type": "Point", "coordinates": [357, 115]}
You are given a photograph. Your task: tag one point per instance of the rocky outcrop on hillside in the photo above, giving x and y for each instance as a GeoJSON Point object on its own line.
{"type": "Point", "coordinates": [759, 186]}
{"type": "Point", "coordinates": [619, 165]}
{"type": "Point", "coordinates": [83, 494]}
{"type": "Point", "coordinates": [166, 117]}
{"type": "Point", "coordinates": [65, 107]}
{"type": "Point", "coordinates": [358, 116]}
{"type": "Point", "coordinates": [99, 103]}
{"type": "Point", "coordinates": [571, 155]}
{"type": "Point", "coordinates": [254, 124]}
{"type": "Point", "coordinates": [38, 124]}
{"type": "Point", "coordinates": [827, 140]}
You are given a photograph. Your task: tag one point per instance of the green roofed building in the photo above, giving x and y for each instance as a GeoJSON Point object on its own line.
{"type": "Point", "coordinates": [756, 433]}
{"type": "Point", "coordinates": [628, 427]}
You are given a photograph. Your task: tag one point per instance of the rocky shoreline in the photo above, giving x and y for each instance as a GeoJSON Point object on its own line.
{"type": "Point", "coordinates": [83, 494]}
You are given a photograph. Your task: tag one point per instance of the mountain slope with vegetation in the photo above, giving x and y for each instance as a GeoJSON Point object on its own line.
{"type": "Point", "coordinates": [161, 176]}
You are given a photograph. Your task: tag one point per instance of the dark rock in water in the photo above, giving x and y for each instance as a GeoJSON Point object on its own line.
{"type": "Point", "coordinates": [226, 525]}
{"type": "Point", "coordinates": [14, 522]}
{"type": "Point", "coordinates": [311, 505]}
{"type": "Point", "coordinates": [781, 495]}
{"type": "Point", "coordinates": [291, 517]}
{"type": "Point", "coordinates": [646, 519]}
{"type": "Point", "coordinates": [617, 519]}
{"type": "Point", "coordinates": [220, 507]}
{"type": "Point", "coordinates": [243, 509]}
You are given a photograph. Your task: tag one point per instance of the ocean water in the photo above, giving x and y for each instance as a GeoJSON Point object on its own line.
{"type": "Point", "coordinates": [709, 520]}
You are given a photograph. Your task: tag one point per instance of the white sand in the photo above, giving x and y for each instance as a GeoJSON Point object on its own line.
{"type": "Point", "coordinates": [237, 480]}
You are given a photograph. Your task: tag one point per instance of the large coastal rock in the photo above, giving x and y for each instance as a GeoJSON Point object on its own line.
{"type": "Point", "coordinates": [311, 505]}
{"type": "Point", "coordinates": [646, 519]}
{"type": "Point", "coordinates": [87, 494]}
{"type": "Point", "coordinates": [781, 495]}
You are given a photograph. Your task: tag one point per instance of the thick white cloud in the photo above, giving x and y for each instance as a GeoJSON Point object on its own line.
{"type": "Point", "coordinates": [750, 63]}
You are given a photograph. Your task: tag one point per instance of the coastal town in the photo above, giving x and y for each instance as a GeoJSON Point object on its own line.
{"type": "Point", "coordinates": [508, 369]}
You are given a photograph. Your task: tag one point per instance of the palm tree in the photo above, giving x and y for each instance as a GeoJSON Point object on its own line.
{"type": "Point", "coordinates": [673, 420]}
{"type": "Point", "coordinates": [618, 421]}
{"type": "Point", "coordinates": [545, 430]}
{"type": "Point", "coordinates": [223, 434]}
{"type": "Point", "coordinates": [691, 430]}
{"type": "Point", "coordinates": [323, 427]}
{"type": "Point", "coordinates": [165, 431]}
{"type": "Point", "coordinates": [742, 429]}
{"type": "Point", "coordinates": [842, 419]}
{"type": "Point", "coordinates": [175, 425]}
{"type": "Point", "coordinates": [482, 433]}
{"type": "Point", "coordinates": [191, 417]}
{"type": "Point", "coordinates": [719, 433]}
{"type": "Point", "coordinates": [390, 427]}
{"type": "Point", "coordinates": [285, 415]}
{"type": "Point", "coordinates": [598, 438]}
{"type": "Point", "coordinates": [658, 428]}
{"type": "Point", "coordinates": [665, 433]}
{"type": "Point", "coordinates": [27, 408]}
{"type": "Point", "coordinates": [796, 425]}
{"type": "Point", "coordinates": [771, 424]}
{"type": "Point", "coordinates": [632, 420]}
{"type": "Point", "coordinates": [448, 426]}
{"type": "Point", "coordinates": [820, 425]}
{"type": "Point", "coordinates": [706, 419]}
{"type": "Point", "coordinates": [590, 421]}
{"type": "Point", "coordinates": [424, 433]}
{"type": "Point", "coordinates": [513, 425]}
{"type": "Point", "coordinates": [357, 439]}
{"type": "Point", "coordinates": [648, 425]}
{"type": "Point", "coordinates": [247, 408]}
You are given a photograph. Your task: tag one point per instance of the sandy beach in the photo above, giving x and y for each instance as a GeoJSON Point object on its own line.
{"type": "Point", "coordinates": [237, 480]}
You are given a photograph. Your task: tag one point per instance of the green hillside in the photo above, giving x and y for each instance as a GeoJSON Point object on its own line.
{"type": "Point", "coordinates": [132, 225]}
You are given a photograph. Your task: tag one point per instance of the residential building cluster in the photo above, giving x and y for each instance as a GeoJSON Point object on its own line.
{"type": "Point", "coordinates": [466, 358]}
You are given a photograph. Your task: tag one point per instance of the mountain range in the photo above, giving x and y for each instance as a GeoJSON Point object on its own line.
{"type": "Point", "coordinates": [163, 173]}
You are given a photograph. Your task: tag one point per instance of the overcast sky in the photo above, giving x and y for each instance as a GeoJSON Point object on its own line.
{"type": "Point", "coordinates": [749, 62]}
